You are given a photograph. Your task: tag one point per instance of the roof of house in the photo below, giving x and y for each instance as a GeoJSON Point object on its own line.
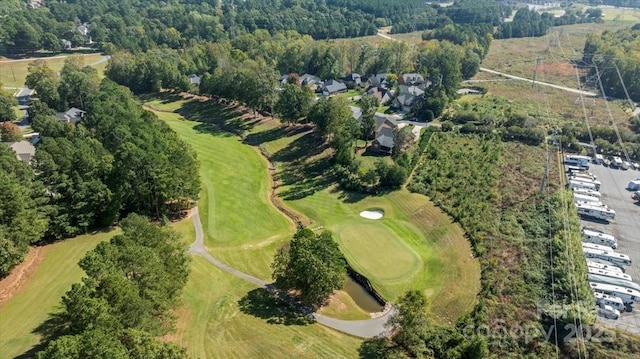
{"type": "Point", "coordinates": [73, 115]}
{"type": "Point", "coordinates": [378, 92]}
{"type": "Point", "coordinates": [24, 150]}
{"type": "Point", "coordinates": [333, 86]}
{"type": "Point", "coordinates": [356, 112]}
{"type": "Point", "coordinates": [384, 137]}
{"type": "Point", "coordinates": [382, 119]}
{"type": "Point", "coordinates": [24, 92]}
{"type": "Point", "coordinates": [83, 28]}
{"type": "Point", "coordinates": [195, 79]}
{"type": "Point", "coordinates": [352, 77]}
{"type": "Point", "coordinates": [308, 79]}
{"type": "Point", "coordinates": [412, 78]}
{"type": "Point", "coordinates": [406, 99]}
{"type": "Point", "coordinates": [412, 90]}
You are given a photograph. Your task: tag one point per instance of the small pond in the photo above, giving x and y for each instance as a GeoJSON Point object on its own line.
{"type": "Point", "coordinates": [361, 296]}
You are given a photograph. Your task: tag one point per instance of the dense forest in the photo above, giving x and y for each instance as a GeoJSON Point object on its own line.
{"type": "Point", "coordinates": [529, 23]}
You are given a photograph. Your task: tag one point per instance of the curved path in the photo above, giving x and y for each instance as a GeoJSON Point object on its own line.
{"type": "Point", "coordinates": [361, 328]}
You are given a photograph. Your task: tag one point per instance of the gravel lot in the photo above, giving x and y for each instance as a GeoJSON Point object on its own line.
{"type": "Point", "coordinates": [626, 229]}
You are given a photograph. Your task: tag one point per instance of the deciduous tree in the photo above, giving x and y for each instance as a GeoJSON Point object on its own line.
{"type": "Point", "coordinates": [293, 102]}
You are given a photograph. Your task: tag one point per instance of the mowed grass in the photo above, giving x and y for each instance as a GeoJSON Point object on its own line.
{"type": "Point", "coordinates": [14, 73]}
{"type": "Point", "coordinates": [226, 317]}
{"type": "Point", "coordinates": [414, 246]}
{"type": "Point", "coordinates": [242, 227]}
{"type": "Point", "coordinates": [41, 295]}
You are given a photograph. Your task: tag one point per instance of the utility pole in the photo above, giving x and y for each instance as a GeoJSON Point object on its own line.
{"type": "Point", "coordinates": [535, 73]}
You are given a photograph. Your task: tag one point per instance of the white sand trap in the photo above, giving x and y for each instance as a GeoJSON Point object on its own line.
{"type": "Point", "coordinates": [372, 214]}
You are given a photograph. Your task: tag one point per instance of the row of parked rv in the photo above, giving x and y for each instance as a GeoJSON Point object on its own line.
{"type": "Point", "coordinates": [585, 188]}
{"type": "Point", "coordinates": [614, 290]}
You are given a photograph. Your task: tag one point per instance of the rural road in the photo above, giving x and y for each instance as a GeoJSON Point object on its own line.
{"type": "Point", "coordinates": [361, 328]}
{"type": "Point", "coordinates": [564, 88]}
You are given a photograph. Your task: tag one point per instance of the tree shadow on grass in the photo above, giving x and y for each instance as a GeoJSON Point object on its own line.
{"type": "Point", "coordinates": [48, 330]}
{"type": "Point", "coordinates": [226, 119]}
{"type": "Point", "coordinates": [262, 304]}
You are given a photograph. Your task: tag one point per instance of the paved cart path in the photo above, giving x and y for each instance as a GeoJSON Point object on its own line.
{"type": "Point", "coordinates": [368, 328]}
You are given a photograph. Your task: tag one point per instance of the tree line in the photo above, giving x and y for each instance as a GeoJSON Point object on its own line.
{"type": "Point", "coordinates": [118, 159]}
{"type": "Point", "coordinates": [530, 23]}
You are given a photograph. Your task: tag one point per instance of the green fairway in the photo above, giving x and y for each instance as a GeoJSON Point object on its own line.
{"type": "Point", "coordinates": [14, 73]}
{"type": "Point", "coordinates": [242, 227]}
{"type": "Point", "coordinates": [414, 246]}
{"type": "Point", "coordinates": [365, 242]}
{"type": "Point", "coordinates": [226, 317]}
{"type": "Point", "coordinates": [29, 307]}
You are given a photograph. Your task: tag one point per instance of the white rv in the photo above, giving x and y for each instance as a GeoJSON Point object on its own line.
{"type": "Point", "coordinates": [585, 198]}
{"type": "Point", "coordinates": [576, 160]}
{"type": "Point", "coordinates": [605, 299]}
{"type": "Point", "coordinates": [608, 273]}
{"type": "Point", "coordinates": [615, 258]}
{"type": "Point", "coordinates": [596, 183]}
{"type": "Point", "coordinates": [583, 174]}
{"type": "Point", "coordinates": [598, 247]}
{"type": "Point", "coordinates": [587, 192]}
{"type": "Point", "coordinates": [596, 212]}
{"type": "Point", "coordinates": [613, 281]}
{"type": "Point", "coordinates": [616, 162]}
{"type": "Point", "coordinates": [596, 204]}
{"type": "Point", "coordinates": [598, 237]}
{"type": "Point", "coordinates": [579, 184]}
{"type": "Point", "coordinates": [608, 267]}
{"type": "Point", "coordinates": [608, 312]}
{"type": "Point", "coordinates": [627, 295]}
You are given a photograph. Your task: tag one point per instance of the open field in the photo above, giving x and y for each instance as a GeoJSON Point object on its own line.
{"type": "Point", "coordinates": [226, 317]}
{"type": "Point", "coordinates": [621, 15]}
{"type": "Point", "coordinates": [29, 307]}
{"type": "Point", "coordinates": [13, 73]}
{"type": "Point", "coordinates": [234, 190]}
{"type": "Point", "coordinates": [415, 246]}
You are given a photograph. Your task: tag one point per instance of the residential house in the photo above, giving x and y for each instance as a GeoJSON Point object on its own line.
{"type": "Point", "coordinates": [66, 44]}
{"type": "Point", "coordinates": [72, 115]}
{"type": "Point", "coordinates": [332, 87]}
{"type": "Point", "coordinates": [23, 96]}
{"type": "Point", "coordinates": [352, 80]}
{"type": "Point", "coordinates": [194, 79]}
{"type": "Point", "coordinates": [384, 95]}
{"type": "Point", "coordinates": [357, 113]}
{"type": "Point", "coordinates": [411, 79]}
{"type": "Point", "coordinates": [408, 97]}
{"type": "Point", "coordinates": [83, 29]}
{"type": "Point", "coordinates": [24, 150]}
{"type": "Point", "coordinates": [310, 80]}
{"type": "Point", "coordinates": [378, 80]}
{"type": "Point", "coordinates": [284, 78]}
{"type": "Point", "coordinates": [34, 4]}
{"type": "Point", "coordinates": [384, 135]}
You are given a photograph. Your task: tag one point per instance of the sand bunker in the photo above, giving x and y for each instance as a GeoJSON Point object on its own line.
{"type": "Point", "coordinates": [375, 214]}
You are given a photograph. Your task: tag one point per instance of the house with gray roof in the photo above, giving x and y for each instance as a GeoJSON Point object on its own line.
{"type": "Point", "coordinates": [352, 80]}
{"type": "Point", "coordinates": [24, 150]}
{"type": "Point", "coordinates": [332, 87]}
{"type": "Point", "coordinates": [72, 115]}
{"type": "Point", "coordinates": [309, 80]}
{"type": "Point", "coordinates": [411, 79]}
{"type": "Point", "coordinates": [23, 95]}
{"type": "Point", "coordinates": [194, 79]}
{"type": "Point", "coordinates": [378, 80]}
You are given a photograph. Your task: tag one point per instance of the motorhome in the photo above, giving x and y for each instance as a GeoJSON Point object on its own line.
{"type": "Point", "coordinates": [608, 312]}
{"type": "Point", "coordinates": [609, 267]}
{"type": "Point", "coordinates": [587, 180]}
{"type": "Point", "coordinates": [576, 160]}
{"type": "Point", "coordinates": [601, 238]}
{"type": "Point", "coordinates": [597, 204]}
{"type": "Point", "coordinates": [585, 198]}
{"type": "Point", "coordinates": [613, 281]}
{"type": "Point", "coordinates": [612, 257]}
{"type": "Point", "coordinates": [599, 159]}
{"type": "Point", "coordinates": [605, 299]}
{"type": "Point", "coordinates": [583, 174]}
{"type": "Point", "coordinates": [596, 247]}
{"type": "Point", "coordinates": [602, 213]}
{"type": "Point", "coordinates": [607, 273]}
{"type": "Point", "coordinates": [616, 162]}
{"type": "Point", "coordinates": [579, 184]}
{"type": "Point", "coordinates": [627, 295]}
{"type": "Point", "coordinates": [587, 192]}
{"type": "Point", "coordinates": [575, 169]}
{"type": "Point", "coordinates": [625, 165]}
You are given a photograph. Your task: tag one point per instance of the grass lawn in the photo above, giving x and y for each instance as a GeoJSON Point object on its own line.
{"type": "Point", "coordinates": [41, 295]}
{"type": "Point", "coordinates": [13, 73]}
{"type": "Point", "coordinates": [415, 246]}
{"type": "Point", "coordinates": [241, 226]}
{"type": "Point", "coordinates": [226, 317]}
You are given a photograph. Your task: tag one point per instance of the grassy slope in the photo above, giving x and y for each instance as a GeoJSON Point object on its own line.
{"type": "Point", "coordinates": [241, 227]}
{"type": "Point", "coordinates": [426, 250]}
{"type": "Point", "coordinates": [13, 73]}
{"type": "Point", "coordinates": [41, 295]}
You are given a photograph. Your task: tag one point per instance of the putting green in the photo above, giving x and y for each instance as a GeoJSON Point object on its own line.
{"type": "Point", "coordinates": [376, 251]}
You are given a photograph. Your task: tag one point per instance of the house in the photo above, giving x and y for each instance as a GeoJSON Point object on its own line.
{"type": "Point", "coordinates": [34, 4]}
{"type": "Point", "coordinates": [378, 80]}
{"type": "Point", "coordinates": [72, 115]}
{"type": "Point", "coordinates": [24, 150]}
{"type": "Point", "coordinates": [352, 80]}
{"type": "Point", "coordinates": [194, 79]}
{"type": "Point", "coordinates": [384, 135]}
{"type": "Point", "coordinates": [411, 79]}
{"type": "Point", "coordinates": [83, 29]}
{"type": "Point", "coordinates": [66, 44]}
{"type": "Point", "coordinates": [356, 112]}
{"type": "Point", "coordinates": [310, 80]}
{"type": "Point", "coordinates": [384, 95]}
{"type": "Point", "coordinates": [408, 97]}
{"type": "Point", "coordinates": [332, 87]}
{"type": "Point", "coordinates": [23, 96]}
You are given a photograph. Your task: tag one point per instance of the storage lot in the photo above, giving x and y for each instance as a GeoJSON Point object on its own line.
{"type": "Point", "coordinates": [626, 229]}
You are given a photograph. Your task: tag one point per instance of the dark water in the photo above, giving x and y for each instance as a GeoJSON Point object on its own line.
{"type": "Point", "coordinates": [360, 295]}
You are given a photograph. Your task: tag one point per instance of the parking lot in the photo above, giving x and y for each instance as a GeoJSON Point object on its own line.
{"type": "Point", "coordinates": [626, 229]}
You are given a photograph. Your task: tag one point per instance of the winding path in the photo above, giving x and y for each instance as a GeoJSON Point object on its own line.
{"type": "Point", "coordinates": [368, 328]}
